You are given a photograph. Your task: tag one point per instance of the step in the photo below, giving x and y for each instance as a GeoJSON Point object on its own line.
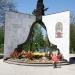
{"type": "Point", "coordinates": [35, 64]}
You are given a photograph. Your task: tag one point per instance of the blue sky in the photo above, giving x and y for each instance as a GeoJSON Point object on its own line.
{"type": "Point", "coordinates": [27, 6]}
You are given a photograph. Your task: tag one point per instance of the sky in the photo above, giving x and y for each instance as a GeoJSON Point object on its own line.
{"type": "Point", "coordinates": [54, 6]}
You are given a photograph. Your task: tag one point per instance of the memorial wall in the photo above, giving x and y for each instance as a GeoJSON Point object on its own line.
{"type": "Point", "coordinates": [58, 29]}
{"type": "Point", "coordinates": [17, 28]}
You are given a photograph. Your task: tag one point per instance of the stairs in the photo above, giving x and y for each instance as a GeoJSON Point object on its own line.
{"type": "Point", "coordinates": [36, 64]}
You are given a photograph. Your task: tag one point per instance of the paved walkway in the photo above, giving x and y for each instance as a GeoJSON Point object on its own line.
{"type": "Point", "coordinates": [11, 69]}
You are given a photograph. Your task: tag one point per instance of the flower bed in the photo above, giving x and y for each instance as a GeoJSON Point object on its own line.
{"type": "Point", "coordinates": [30, 57]}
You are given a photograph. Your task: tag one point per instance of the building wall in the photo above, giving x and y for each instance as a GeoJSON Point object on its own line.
{"type": "Point", "coordinates": [17, 27]}
{"type": "Point", "coordinates": [50, 22]}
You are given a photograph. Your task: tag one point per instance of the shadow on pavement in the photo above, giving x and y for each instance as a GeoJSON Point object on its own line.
{"type": "Point", "coordinates": [1, 56]}
{"type": "Point", "coordinates": [72, 60]}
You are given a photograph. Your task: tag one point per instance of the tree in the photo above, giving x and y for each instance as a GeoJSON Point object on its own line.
{"type": "Point", "coordinates": [72, 38]}
{"type": "Point", "coordinates": [38, 35]}
{"type": "Point", "coordinates": [5, 5]}
{"type": "Point", "coordinates": [72, 19]}
{"type": "Point", "coordinates": [72, 34]}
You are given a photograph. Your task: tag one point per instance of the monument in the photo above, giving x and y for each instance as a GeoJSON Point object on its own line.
{"type": "Point", "coordinates": [33, 37]}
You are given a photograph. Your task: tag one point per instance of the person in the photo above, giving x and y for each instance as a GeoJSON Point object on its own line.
{"type": "Point", "coordinates": [55, 60]}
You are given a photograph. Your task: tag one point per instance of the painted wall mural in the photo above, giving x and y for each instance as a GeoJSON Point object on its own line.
{"type": "Point", "coordinates": [59, 30]}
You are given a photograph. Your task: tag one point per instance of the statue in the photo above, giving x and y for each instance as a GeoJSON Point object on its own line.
{"type": "Point", "coordinates": [32, 43]}
{"type": "Point", "coordinates": [39, 11]}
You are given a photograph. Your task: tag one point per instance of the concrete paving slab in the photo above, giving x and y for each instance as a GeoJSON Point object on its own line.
{"type": "Point", "coordinates": [11, 69]}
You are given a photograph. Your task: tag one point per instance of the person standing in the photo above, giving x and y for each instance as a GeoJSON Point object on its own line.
{"type": "Point", "coordinates": [55, 60]}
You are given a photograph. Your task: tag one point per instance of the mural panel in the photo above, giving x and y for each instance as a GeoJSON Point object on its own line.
{"type": "Point", "coordinates": [59, 30]}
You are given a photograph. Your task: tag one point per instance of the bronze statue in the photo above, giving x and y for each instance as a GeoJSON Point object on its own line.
{"type": "Point", "coordinates": [39, 11]}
